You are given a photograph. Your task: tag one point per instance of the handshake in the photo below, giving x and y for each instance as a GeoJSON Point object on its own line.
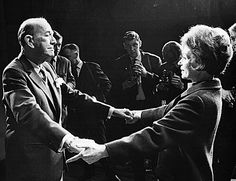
{"type": "Point", "coordinates": [130, 117]}
{"type": "Point", "coordinates": [90, 151]}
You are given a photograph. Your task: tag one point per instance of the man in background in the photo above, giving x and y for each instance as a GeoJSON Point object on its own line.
{"type": "Point", "coordinates": [134, 77]}
{"type": "Point", "coordinates": [62, 67]}
{"type": "Point", "coordinates": [225, 147]}
{"type": "Point", "coordinates": [90, 79]}
{"type": "Point", "coordinates": [170, 84]}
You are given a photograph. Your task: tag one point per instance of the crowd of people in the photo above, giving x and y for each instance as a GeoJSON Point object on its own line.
{"type": "Point", "coordinates": [175, 110]}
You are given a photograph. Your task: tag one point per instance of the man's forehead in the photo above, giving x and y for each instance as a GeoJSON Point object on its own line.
{"type": "Point", "coordinates": [69, 51]}
{"type": "Point", "coordinates": [232, 33]}
{"type": "Point", "coordinates": [133, 41]}
{"type": "Point", "coordinates": [43, 27]}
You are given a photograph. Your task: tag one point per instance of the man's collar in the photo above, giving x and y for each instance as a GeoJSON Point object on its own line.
{"type": "Point", "coordinates": [55, 58]}
{"type": "Point", "coordinates": [35, 66]}
{"type": "Point", "coordinates": [80, 64]}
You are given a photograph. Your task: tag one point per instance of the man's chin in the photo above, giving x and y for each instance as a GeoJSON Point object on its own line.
{"type": "Point", "coordinates": [48, 58]}
{"type": "Point", "coordinates": [134, 55]}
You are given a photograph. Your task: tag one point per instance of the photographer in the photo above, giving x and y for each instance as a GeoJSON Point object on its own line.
{"type": "Point", "coordinates": [134, 78]}
{"type": "Point", "coordinates": [170, 84]}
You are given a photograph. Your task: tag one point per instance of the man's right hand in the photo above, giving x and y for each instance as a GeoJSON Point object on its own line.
{"type": "Point", "coordinates": [228, 96]}
{"type": "Point", "coordinates": [72, 144]}
{"type": "Point", "coordinates": [92, 152]}
{"type": "Point", "coordinates": [136, 116]}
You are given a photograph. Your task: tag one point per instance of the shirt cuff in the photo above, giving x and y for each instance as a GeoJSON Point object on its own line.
{"type": "Point", "coordinates": [110, 112]}
{"type": "Point", "coordinates": [64, 139]}
{"type": "Point", "coordinates": [138, 114]}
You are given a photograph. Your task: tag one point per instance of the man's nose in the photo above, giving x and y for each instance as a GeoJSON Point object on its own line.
{"type": "Point", "coordinates": [132, 48]}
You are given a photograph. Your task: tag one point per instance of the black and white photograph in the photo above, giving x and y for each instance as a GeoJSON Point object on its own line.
{"type": "Point", "coordinates": [118, 90]}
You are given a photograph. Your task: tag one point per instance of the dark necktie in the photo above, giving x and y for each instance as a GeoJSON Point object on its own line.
{"type": "Point", "coordinates": [42, 74]}
{"type": "Point", "coordinates": [53, 62]}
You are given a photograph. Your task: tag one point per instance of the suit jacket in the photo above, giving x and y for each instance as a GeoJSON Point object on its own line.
{"type": "Point", "coordinates": [93, 81]}
{"type": "Point", "coordinates": [121, 72]}
{"type": "Point", "coordinates": [63, 69]}
{"type": "Point", "coordinates": [34, 132]}
{"type": "Point", "coordinates": [188, 123]}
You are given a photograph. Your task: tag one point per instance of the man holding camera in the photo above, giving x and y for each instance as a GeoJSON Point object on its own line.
{"type": "Point", "coordinates": [170, 84]}
{"type": "Point", "coordinates": [134, 78]}
{"type": "Point", "coordinates": [135, 74]}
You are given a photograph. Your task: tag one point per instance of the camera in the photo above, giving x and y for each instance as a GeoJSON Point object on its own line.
{"type": "Point", "coordinates": [164, 81]}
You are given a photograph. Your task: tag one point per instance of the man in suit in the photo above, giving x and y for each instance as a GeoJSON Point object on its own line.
{"type": "Point", "coordinates": [61, 64]}
{"type": "Point", "coordinates": [170, 84]}
{"type": "Point", "coordinates": [225, 147]}
{"type": "Point", "coordinates": [134, 77]}
{"type": "Point", "coordinates": [32, 95]}
{"type": "Point", "coordinates": [89, 76]}
{"type": "Point", "coordinates": [190, 121]}
{"type": "Point", "coordinates": [135, 74]}
{"type": "Point", "coordinates": [62, 67]}
{"type": "Point", "coordinates": [92, 80]}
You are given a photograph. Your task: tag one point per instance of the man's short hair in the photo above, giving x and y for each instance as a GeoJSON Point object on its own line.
{"type": "Point", "coordinates": [28, 28]}
{"type": "Point", "coordinates": [232, 28]}
{"type": "Point", "coordinates": [70, 46]}
{"type": "Point", "coordinates": [131, 35]}
{"type": "Point", "coordinates": [171, 52]}
{"type": "Point", "coordinates": [57, 35]}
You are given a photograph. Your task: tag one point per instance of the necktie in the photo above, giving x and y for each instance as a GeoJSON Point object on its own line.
{"type": "Point", "coordinates": [53, 62]}
{"type": "Point", "coordinates": [78, 70]}
{"type": "Point", "coordinates": [42, 74]}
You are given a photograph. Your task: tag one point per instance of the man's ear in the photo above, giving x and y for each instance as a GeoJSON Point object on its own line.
{"type": "Point", "coordinates": [124, 45]}
{"type": "Point", "coordinates": [140, 42]}
{"type": "Point", "coordinates": [29, 40]}
{"type": "Point", "coordinates": [76, 54]}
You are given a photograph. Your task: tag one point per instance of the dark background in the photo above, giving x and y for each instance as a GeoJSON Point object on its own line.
{"type": "Point", "coordinates": [97, 26]}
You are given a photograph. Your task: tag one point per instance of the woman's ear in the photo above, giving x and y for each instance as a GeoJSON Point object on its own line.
{"type": "Point", "coordinates": [200, 67]}
{"type": "Point", "coordinates": [29, 40]}
{"type": "Point", "coordinates": [197, 64]}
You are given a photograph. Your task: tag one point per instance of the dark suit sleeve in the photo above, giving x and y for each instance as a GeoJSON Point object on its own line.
{"type": "Point", "coordinates": [70, 77]}
{"type": "Point", "coordinates": [155, 63]}
{"type": "Point", "coordinates": [22, 105]}
{"type": "Point", "coordinates": [178, 126]}
{"type": "Point", "coordinates": [78, 100]}
{"type": "Point", "coordinates": [102, 79]}
{"type": "Point", "coordinates": [153, 113]}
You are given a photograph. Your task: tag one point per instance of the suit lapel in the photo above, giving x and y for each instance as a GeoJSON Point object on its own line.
{"type": "Point", "coordinates": [146, 62]}
{"type": "Point", "coordinates": [37, 80]}
{"type": "Point", "coordinates": [55, 91]}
